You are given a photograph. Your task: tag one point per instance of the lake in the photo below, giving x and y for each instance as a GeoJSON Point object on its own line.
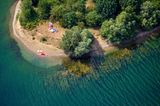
{"type": "Point", "coordinates": [116, 80]}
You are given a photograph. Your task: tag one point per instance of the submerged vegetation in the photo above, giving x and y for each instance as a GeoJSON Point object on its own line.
{"type": "Point", "coordinates": [117, 21]}
{"type": "Point", "coordinates": [77, 68]}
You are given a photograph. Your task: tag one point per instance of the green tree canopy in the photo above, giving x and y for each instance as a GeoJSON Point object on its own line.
{"type": "Point", "coordinates": [107, 8]}
{"type": "Point", "coordinates": [120, 29]}
{"type": "Point", "coordinates": [134, 3]}
{"type": "Point", "coordinates": [76, 42]}
{"type": "Point", "coordinates": [44, 8]}
{"type": "Point", "coordinates": [93, 19]}
{"type": "Point", "coordinates": [69, 20]}
{"type": "Point", "coordinates": [28, 15]}
{"type": "Point", "coordinates": [150, 15]}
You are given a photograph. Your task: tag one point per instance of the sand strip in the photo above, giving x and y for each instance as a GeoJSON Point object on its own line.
{"type": "Point", "coordinates": [26, 40]}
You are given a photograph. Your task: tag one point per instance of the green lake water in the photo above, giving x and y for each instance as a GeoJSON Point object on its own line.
{"type": "Point", "coordinates": [133, 80]}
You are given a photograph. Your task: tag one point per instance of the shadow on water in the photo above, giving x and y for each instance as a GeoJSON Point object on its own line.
{"type": "Point", "coordinates": [116, 62]}
{"type": "Point", "coordinates": [88, 63]}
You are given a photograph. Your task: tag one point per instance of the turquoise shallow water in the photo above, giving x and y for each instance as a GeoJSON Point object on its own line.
{"type": "Point", "coordinates": [131, 81]}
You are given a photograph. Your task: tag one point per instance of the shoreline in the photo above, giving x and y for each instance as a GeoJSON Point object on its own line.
{"type": "Point", "coordinates": [99, 47]}
{"type": "Point", "coordinates": [34, 45]}
{"type": "Point", "coordinates": [31, 45]}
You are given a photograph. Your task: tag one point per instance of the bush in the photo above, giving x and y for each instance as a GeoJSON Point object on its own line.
{"type": "Point", "coordinates": [93, 19]}
{"type": "Point", "coordinates": [150, 15]}
{"type": "Point", "coordinates": [69, 20]}
{"type": "Point", "coordinates": [76, 42]}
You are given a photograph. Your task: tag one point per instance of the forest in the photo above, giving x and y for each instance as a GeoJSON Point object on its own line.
{"type": "Point", "coordinates": [117, 20]}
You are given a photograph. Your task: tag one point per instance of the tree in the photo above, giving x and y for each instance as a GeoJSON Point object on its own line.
{"type": "Point", "coordinates": [106, 27]}
{"type": "Point", "coordinates": [93, 19]}
{"type": "Point", "coordinates": [70, 40]}
{"type": "Point", "coordinates": [150, 15]}
{"type": "Point", "coordinates": [107, 8]}
{"type": "Point", "coordinates": [76, 42]}
{"type": "Point", "coordinates": [44, 9]}
{"type": "Point", "coordinates": [69, 20]}
{"type": "Point", "coordinates": [84, 46]}
{"type": "Point", "coordinates": [127, 23]}
{"type": "Point", "coordinates": [28, 15]}
{"type": "Point", "coordinates": [120, 29]}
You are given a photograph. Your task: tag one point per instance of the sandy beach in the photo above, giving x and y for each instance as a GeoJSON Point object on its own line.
{"type": "Point", "coordinates": [26, 39]}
